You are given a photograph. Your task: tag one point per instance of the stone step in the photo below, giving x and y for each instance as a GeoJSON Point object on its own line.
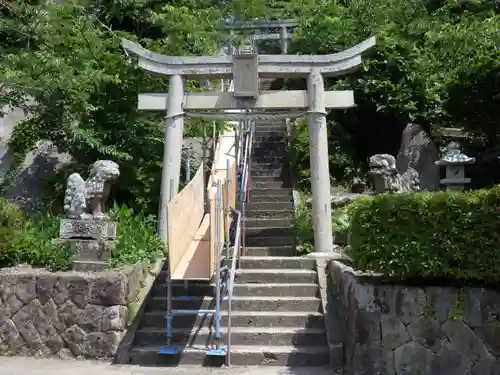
{"type": "Point", "coordinates": [250, 303]}
{"type": "Point", "coordinates": [270, 251]}
{"type": "Point", "coordinates": [259, 179]}
{"type": "Point", "coordinates": [276, 276]}
{"type": "Point", "coordinates": [265, 165]}
{"type": "Point", "coordinates": [270, 198]}
{"type": "Point", "coordinates": [279, 131]}
{"type": "Point", "coordinates": [261, 241]}
{"type": "Point", "coordinates": [270, 214]}
{"type": "Point", "coordinates": [254, 319]}
{"type": "Point", "coordinates": [275, 172]}
{"type": "Point", "coordinates": [268, 185]}
{"type": "Point", "coordinates": [262, 138]}
{"type": "Point", "coordinates": [269, 206]}
{"type": "Point", "coordinates": [276, 263]}
{"type": "Point", "coordinates": [269, 223]}
{"type": "Point", "coordinates": [279, 192]}
{"type": "Point", "coordinates": [276, 290]}
{"type": "Point", "coordinates": [198, 289]}
{"type": "Point", "coordinates": [205, 336]}
{"type": "Point", "coordinates": [260, 232]}
{"type": "Point", "coordinates": [240, 356]}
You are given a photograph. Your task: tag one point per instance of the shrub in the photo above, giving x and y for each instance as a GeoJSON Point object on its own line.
{"type": "Point", "coordinates": [34, 245]}
{"type": "Point", "coordinates": [303, 228]}
{"type": "Point", "coordinates": [137, 239]}
{"type": "Point", "coordinates": [11, 221]}
{"type": "Point", "coordinates": [450, 235]}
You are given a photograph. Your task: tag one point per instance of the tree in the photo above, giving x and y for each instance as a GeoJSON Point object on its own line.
{"type": "Point", "coordinates": [85, 88]}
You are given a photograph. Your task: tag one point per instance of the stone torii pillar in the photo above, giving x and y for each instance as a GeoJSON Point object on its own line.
{"type": "Point", "coordinates": [245, 70]}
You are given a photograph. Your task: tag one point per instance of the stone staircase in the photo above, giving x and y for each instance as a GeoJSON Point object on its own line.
{"type": "Point", "coordinates": [276, 310]}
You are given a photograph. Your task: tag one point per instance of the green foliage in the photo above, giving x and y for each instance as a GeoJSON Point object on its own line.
{"type": "Point", "coordinates": [67, 58]}
{"type": "Point", "coordinates": [303, 228]}
{"type": "Point", "coordinates": [11, 221]}
{"type": "Point", "coordinates": [34, 245]}
{"type": "Point", "coordinates": [341, 219]}
{"type": "Point", "coordinates": [137, 240]}
{"type": "Point", "coordinates": [429, 235]}
{"type": "Point", "coordinates": [31, 240]}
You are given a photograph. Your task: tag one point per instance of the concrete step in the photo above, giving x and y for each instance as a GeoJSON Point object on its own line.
{"type": "Point", "coordinates": [261, 241]}
{"type": "Point", "coordinates": [205, 336]}
{"type": "Point", "coordinates": [286, 192]}
{"type": "Point", "coordinates": [270, 214]}
{"type": "Point", "coordinates": [256, 232]}
{"type": "Point", "coordinates": [270, 251]}
{"type": "Point", "coordinates": [250, 303]}
{"type": "Point", "coordinates": [269, 223]}
{"type": "Point", "coordinates": [259, 179]}
{"type": "Point", "coordinates": [265, 165]}
{"type": "Point", "coordinates": [198, 289]}
{"type": "Point", "coordinates": [276, 290]}
{"type": "Point", "coordinates": [254, 319]}
{"type": "Point", "coordinates": [240, 356]}
{"type": "Point", "coordinates": [279, 131]}
{"type": "Point", "coordinates": [269, 185]}
{"type": "Point", "coordinates": [269, 206]}
{"type": "Point", "coordinates": [275, 276]}
{"type": "Point", "coordinates": [270, 198]}
{"type": "Point", "coordinates": [276, 263]}
{"type": "Point", "coordinates": [275, 172]}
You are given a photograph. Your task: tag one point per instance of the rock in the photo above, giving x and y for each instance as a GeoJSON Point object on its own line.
{"type": "Point", "coordinates": [26, 287]}
{"type": "Point", "coordinates": [441, 301]}
{"type": "Point", "coordinates": [489, 333]}
{"type": "Point", "coordinates": [463, 339]}
{"type": "Point", "coordinates": [486, 367]}
{"type": "Point", "coordinates": [412, 359]}
{"type": "Point", "coordinates": [409, 303]}
{"type": "Point", "coordinates": [418, 151]}
{"type": "Point", "coordinates": [24, 324]}
{"type": "Point", "coordinates": [8, 282]}
{"type": "Point", "coordinates": [10, 307]}
{"type": "Point", "coordinates": [101, 344]}
{"type": "Point", "coordinates": [449, 362]}
{"type": "Point", "coordinates": [394, 333]}
{"type": "Point", "coordinates": [427, 332]}
{"type": "Point", "coordinates": [372, 360]}
{"type": "Point", "coordinates": [69, 313]}
{"type": "Point", "coordinates": [110, 289]}
{"type": "Point", "coordinates": [367, 327]}
{"type": "Point", "coordinates": [11, 337]}
{"type": "Point", "coordinates": [50, 310]}
{"type": "Point", "coordinates": [77, 287]}
{"type": "Point", "coordinates": [90, 319]}
{"type": "Point", "coordinates": [114, 318]}
{"type": "Point", "coordinates": [74, 338]}
{"type": "Point", "coordinates": [45, 287]}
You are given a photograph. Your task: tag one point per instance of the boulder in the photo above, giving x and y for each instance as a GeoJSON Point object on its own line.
{"type": "Point", "coordinates": [418, 151]}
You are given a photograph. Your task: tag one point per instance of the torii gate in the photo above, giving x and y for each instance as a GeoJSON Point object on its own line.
{"type": "Point", "coordinates": [245, 70]}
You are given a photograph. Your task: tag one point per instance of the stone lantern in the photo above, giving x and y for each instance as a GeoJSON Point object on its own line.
{"type": "Point", "coordinates": [454, 161]}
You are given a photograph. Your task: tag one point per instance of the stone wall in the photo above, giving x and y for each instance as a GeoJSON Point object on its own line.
{"type": "Point", "coordinates": [391, 329]}
{"type": "Point", "coordinates": [66, 314]}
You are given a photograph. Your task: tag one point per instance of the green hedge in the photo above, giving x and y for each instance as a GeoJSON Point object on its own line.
{"type": "Point", "coordinates": [447, 235]}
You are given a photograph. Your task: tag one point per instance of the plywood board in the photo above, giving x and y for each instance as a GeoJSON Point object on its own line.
{"type": "Point", "coordinates": [184, 214]}
{"type": "Point", "coordinates": [195, 264]}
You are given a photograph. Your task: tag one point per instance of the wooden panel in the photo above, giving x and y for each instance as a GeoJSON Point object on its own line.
{"type": "Point", "coordinates": [195, 264]}
{"type": "Point", "coordinates": [184, 214]}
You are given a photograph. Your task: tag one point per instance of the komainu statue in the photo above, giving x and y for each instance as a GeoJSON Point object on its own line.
{"type": "Point", "coordinates": [85, 199]}
{"type": "Point", "coordinates": [385, 177]}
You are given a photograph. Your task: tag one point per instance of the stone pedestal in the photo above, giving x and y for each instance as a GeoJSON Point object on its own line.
{"type": "Point", "coordinates": [91, 241]}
